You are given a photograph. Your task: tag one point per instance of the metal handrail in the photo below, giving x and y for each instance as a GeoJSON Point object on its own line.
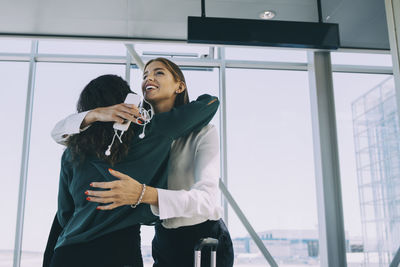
{"type": "Point", "coordinates": [247, 225]}
{"type": "Point", "coordinates": [396, 259]}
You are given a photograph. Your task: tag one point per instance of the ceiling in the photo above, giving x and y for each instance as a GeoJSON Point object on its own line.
{"type": "Point", "coordinates": [362, 23]}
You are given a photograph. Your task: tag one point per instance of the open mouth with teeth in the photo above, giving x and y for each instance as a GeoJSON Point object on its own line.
{"type": "Point", "coordinates": [150, 87]}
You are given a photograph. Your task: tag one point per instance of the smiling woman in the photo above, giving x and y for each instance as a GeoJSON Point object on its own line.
{"type": "Point", "coordinates": [156, 72]}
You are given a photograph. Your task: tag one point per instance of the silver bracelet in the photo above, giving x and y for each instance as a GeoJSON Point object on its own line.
{"type": "Point", "coordinates": [140, 198]}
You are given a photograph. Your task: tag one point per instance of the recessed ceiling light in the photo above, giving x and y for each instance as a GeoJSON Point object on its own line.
{"type": "Point", "coordinates": [267, 14]}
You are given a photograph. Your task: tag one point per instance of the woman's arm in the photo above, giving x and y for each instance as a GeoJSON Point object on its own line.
{"type": "Point", "coordinates": [76, 123]}
{"type": "Point", "coordinates": [199, 200]}
{"type": "Point", "coordinates": [184, 119]}
{"type": "Point", "coordinates": [125, 191]}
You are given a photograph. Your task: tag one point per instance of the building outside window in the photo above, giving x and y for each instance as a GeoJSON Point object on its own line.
{"type": "Point", "coordinates": [377, 148]}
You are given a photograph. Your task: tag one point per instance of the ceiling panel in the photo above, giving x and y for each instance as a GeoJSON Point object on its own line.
{"type": "Point", "coordinates": [362, 23]}
{"type": "Point", "coordinates": [165, 19]}
{"type": "Point", "coordinates": [293, 10]}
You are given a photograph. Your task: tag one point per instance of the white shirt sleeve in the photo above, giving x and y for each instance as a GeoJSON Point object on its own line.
{"type": "Point", "coordinates": [203, 197]}
{"type": "Point", "coordinates": [67, 127]}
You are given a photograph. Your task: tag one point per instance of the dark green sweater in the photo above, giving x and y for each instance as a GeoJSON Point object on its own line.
{"type": "Point", "coordinates": [147, 162]}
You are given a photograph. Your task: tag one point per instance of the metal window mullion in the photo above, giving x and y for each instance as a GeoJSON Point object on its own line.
{"type": "Point", "coordinates": [25, 157]}
{"type": "Point", "coordinates": [393, 21]}
{"type": "Point", "coordinates": [326, 161]}
{"type": "Point", "coordinates": [396, 259]}
{"type": "Point", "coordinates": [392, 8]}
{"type": "Point", "coordinates": [128, 68]}
{"type": "Point", "coordinates": [223, 130]}
{"type": "Point", "coordinates": [202, 62]}
{"type": "Point", "coordinates": [135, 56]}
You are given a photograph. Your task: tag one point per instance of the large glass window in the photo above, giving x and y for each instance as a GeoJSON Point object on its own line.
{"type": "Point", "coordinates": [366, 124]}
{"type": "Point", "coordinates": [266, 54]}
{"type": "Point", "coordinates": [13, 84]}
{"type": "Point", "coordinates": [346, 58]}
{"type": "Point", "coordinates": [82, 47]}
{"type": "Point", "coordinates": [270, 148]}
{"type": "Point", "coordinates": [270, 165]}
{"type": "Point", "coordinates": [57, 89]}
{"type": "Point", "coordinates": [8, 45]}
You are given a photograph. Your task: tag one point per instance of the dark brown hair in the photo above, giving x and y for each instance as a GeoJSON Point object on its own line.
{"type": "Point", "coordinates": [104, 91]}
{"type": "Point", "coordinates": [181, 98]}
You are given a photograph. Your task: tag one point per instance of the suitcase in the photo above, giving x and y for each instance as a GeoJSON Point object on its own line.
{"type": "Point", "coordinates": [206, 242]}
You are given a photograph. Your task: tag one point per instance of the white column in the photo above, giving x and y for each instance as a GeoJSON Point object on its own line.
{"type": "Point", "coordinates": [25, 157]}
{"type": "Point", "coordinates": [332, 248]}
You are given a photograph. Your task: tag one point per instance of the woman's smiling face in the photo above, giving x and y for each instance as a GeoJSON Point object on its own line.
{"type": "Point", "coordinates": [158, 83]}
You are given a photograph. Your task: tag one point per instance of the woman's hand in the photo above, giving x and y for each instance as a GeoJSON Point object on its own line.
{"type": "Point", "coordinates": [117, 113]}
{"type": "Point", "coordinates": [125, 191]}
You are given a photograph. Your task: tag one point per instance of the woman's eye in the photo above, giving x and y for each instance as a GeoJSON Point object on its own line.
{"type": "Point", "coordinates": [144, 77]}
{"type": "Point", "coordinates": [159, 72]}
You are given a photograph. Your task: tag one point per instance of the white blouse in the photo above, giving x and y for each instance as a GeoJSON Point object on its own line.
{"type": "Point", "coordinates": [193, 195]}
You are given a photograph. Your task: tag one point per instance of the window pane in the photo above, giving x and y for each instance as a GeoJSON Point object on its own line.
{"type": "Point", "coordinates": [361, 59]}
{"type": "Point", "coordinates": [13, 84]}
{"type": "Point", "coordinates": [82, 47]}
{"type": "Point", "coordinates": [57, 90]}
{"type": "Point", "coordinates": [270, 163]}
{"type": "Point", "coordinates": [266, 54]}
{"type": "Point", "coordinates": [368, 151]}
{"type": "Point", "coordinates": [15, 46]}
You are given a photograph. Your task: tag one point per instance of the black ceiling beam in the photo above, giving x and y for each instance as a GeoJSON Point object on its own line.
{"type": "Point", "coordinates": [228, 31]}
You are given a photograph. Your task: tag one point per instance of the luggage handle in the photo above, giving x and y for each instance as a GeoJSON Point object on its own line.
{"type": "Point", "coordinates": [205, 242]}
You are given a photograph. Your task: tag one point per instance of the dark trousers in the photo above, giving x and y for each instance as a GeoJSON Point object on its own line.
{"type": "Point", "coordinates": [175, 247]}
{"type": "Point", "coordinates": [117, 249]}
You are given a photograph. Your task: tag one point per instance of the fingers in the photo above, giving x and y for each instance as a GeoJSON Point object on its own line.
{"type": "Point", "coordinates": [121, 117]}
{"type": "Point", "coordinates": [109, 207]}
{"type": "Point", "coordinates": [103, 194]}
{"type": "Point", "coordinates": [100, 200]}
{"type": "Point", "coordinates": [105, 185]}
{"type": "Point", "coordinates": [118, 113]}
{"type": "Point", "coordinates": [129, 109]}
{"type": "Point", "coordinates": [119, 174]}
{"type": "Point", "coordinates": [110, 185]}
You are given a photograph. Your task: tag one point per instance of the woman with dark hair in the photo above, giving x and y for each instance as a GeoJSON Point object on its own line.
{"type": "Point", "coordinates": [90, 236]}
{"type": "Point", "coordinates": [189, 208]}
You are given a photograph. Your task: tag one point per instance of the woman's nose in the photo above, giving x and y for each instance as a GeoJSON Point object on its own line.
{"type": "Point", "coordinates": [150, 77]}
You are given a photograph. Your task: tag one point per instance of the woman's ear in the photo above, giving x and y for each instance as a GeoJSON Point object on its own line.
{"type": "Point", "coordinates": [181, 88]}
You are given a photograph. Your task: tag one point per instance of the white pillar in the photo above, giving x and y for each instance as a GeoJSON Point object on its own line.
{"type": "Point", "coordinates": [332, 242]}
{"type": "Point", "coordinates": [223, 128]}
{"type": "Point", "coordinates": [25, 156]}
